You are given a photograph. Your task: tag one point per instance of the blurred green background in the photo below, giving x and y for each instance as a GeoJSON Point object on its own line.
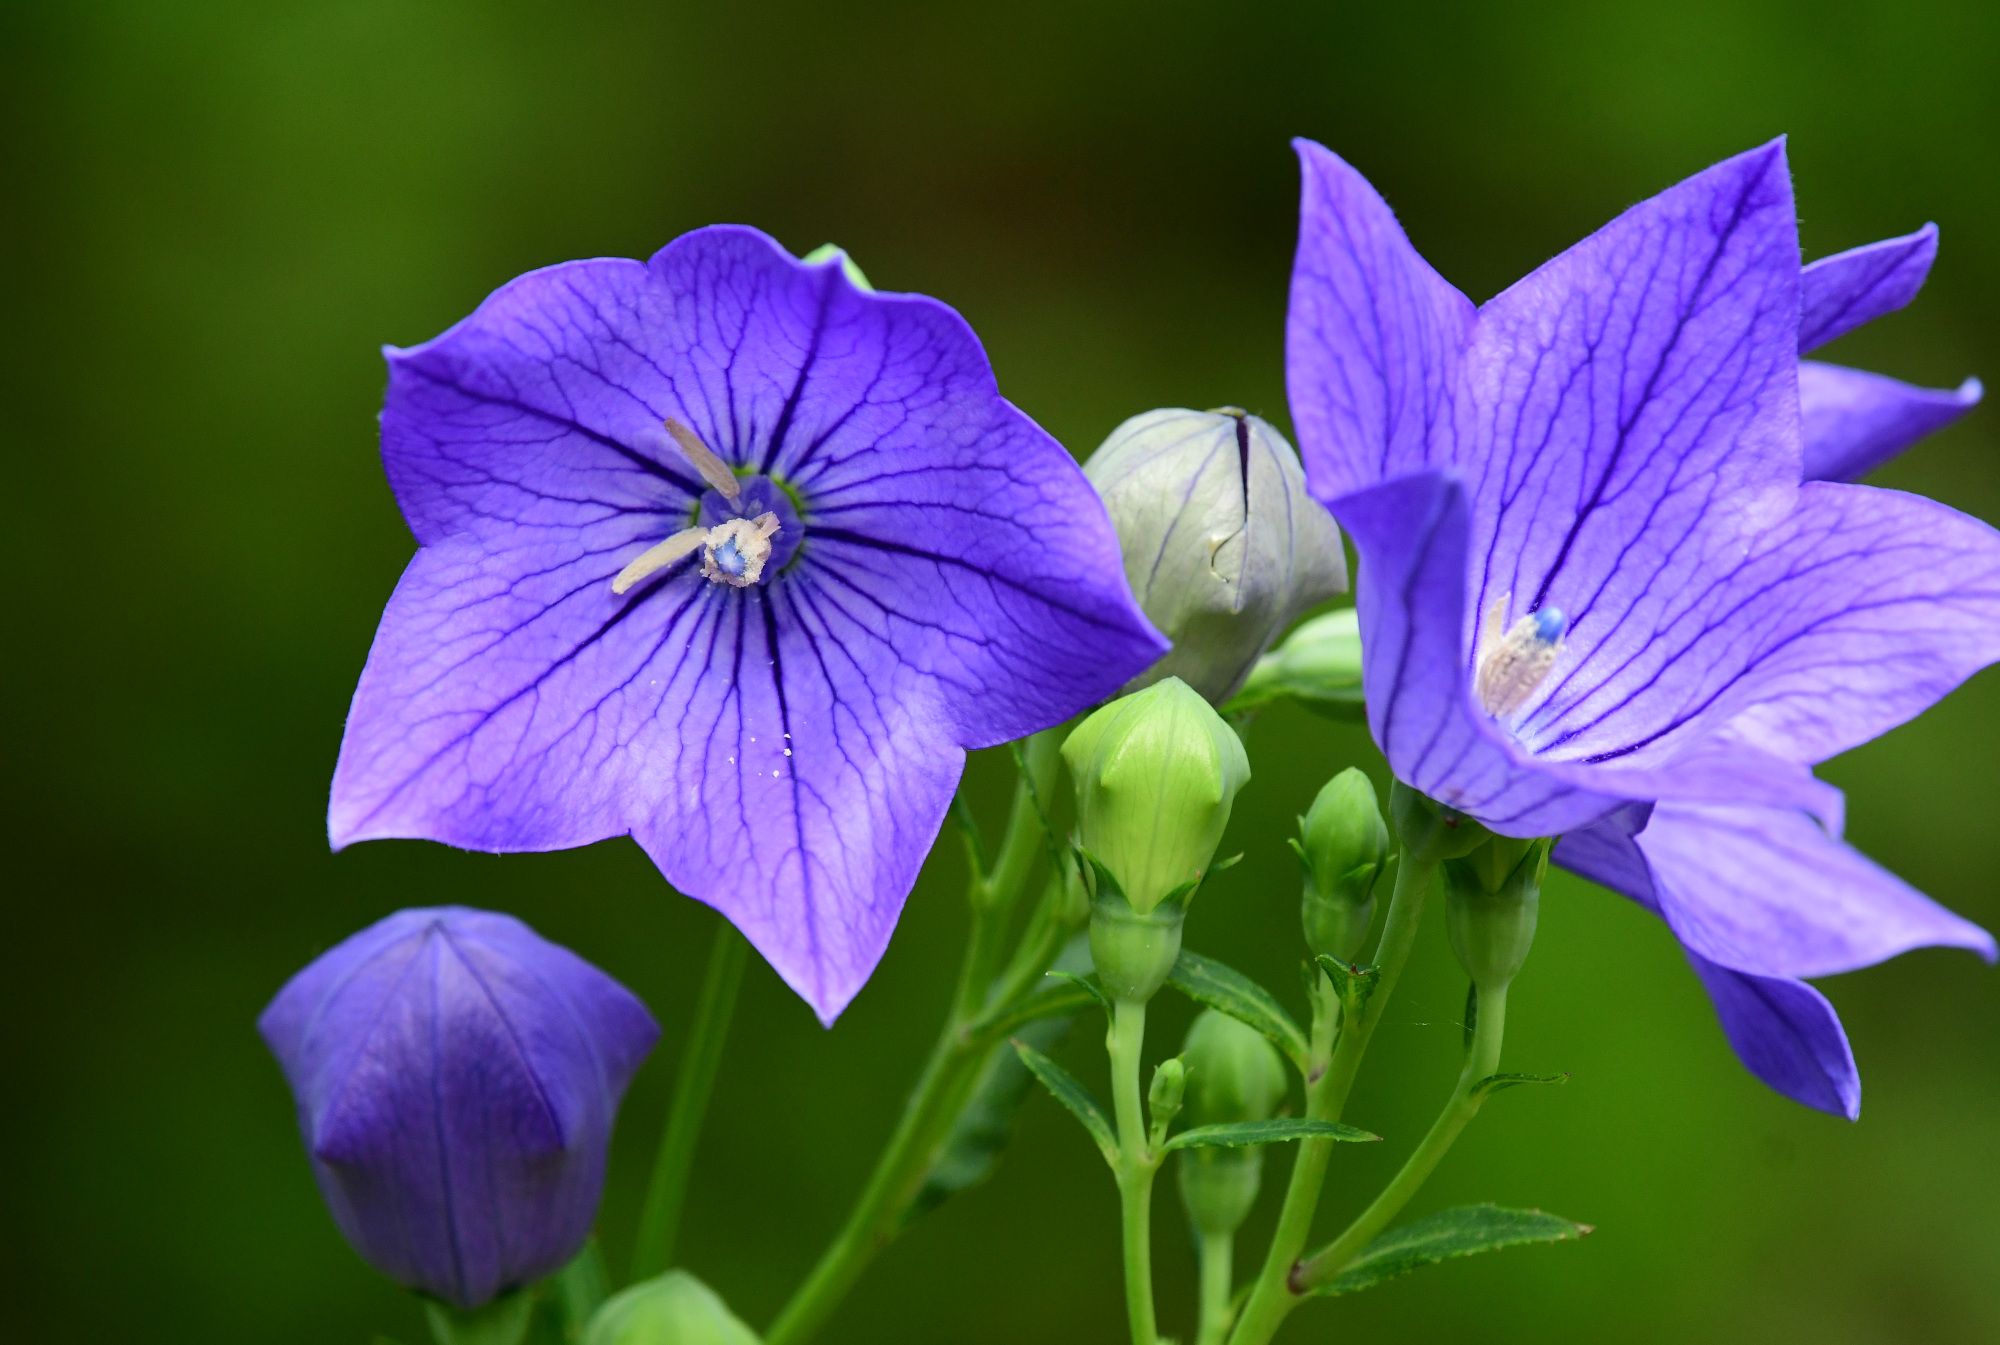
{"type": "Point", "coordinates": [217, 212]}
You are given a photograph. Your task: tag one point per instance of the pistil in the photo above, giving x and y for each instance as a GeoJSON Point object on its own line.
{"type": "Point", "coordinates": [1514, 665]}
{"type": "Point", "coordinates": [735, 551]}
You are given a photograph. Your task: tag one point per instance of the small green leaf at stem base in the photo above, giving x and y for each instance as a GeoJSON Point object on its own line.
{"type": "Point", "coordinates": [1493, 1083]}
{"type": "Point", "coordinates": [1072, 1095]}
{"type": "Point", "coordinates": [1230, 991]}
{"type": "Point", "coordinates": [1445, 1236]}
{"type": "Point", "coordinates": [1237, 1134]}
{"type": "Point", "coordinates": [1352, 982]}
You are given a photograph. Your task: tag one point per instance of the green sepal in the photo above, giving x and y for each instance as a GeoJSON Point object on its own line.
{"type": "Point", "coordinates": [1087, 983]}
{"type": "Point", "coordinates": [1278, 1130]}
{"type": "Point", "coordinates": [1447, 1235]}
{"type": "Point", "coordinates": [1352, 982]}
{"type": "Point", "coordinates": [827, 252]}
{"type": "Point", "coordinates": [1224, 988]}
{"type": "Point", "coordinates": [1493, 1083]}
{"type": "Point", "coordinates": [504, 1321]}
{"type": "Point", "coordinates": [1072, 1095]}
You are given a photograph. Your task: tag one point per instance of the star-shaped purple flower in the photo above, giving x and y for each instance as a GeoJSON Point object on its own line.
{"type": "Point", "coordinates": [726, 553]}
{"type": "Point", "coordinates": [1598, 597]}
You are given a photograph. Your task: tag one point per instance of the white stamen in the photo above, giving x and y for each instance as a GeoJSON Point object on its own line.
{"type": "Point", "coordinates": [1513, 666]}
{"type": "Point", "coordinates": [658, 558]}
{"type": "Point", "coordinates": [704, 460]}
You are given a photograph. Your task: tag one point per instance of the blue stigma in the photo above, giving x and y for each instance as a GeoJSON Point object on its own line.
{"type": "Point", "coordinates": [729, 559]}
{"type": "Point", "coordinates": [1549, 624]}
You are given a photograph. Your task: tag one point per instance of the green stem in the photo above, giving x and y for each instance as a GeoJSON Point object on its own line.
{"type": "Point", "coordinates": [994, 892]}
{"type": "Point", "coordinates": [1136, 1166]}
{"type": "Point", "coordinates": [666, 1193]}
{"type": "Point", "coordinates": [1480, 1063]}
{"type": "Point", "coordinates": [1272, 1297]}
{"type": "Point", "coordinates": [1217, 1252]}
{"type": "Point", "coordinates": [952, 1070]}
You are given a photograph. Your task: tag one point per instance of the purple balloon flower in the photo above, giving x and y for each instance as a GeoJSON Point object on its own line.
{"type": "Point", "coordinates": [727, 554]}
{"type": "Point", "coordinates": [456, 1077]}
{"type": "Point", "coordinates": [1598, 598]}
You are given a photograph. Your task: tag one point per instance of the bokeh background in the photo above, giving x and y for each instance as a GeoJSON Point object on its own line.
{"type": "Point", "coordinates": [217, 213]}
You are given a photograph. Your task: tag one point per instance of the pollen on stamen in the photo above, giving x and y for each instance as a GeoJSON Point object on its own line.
{"type": "Point", "coordinates": [1514, 666]}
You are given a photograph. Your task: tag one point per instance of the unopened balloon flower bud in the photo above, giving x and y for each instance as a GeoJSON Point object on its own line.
{"type": "Point", "coordinates": [1234, 1075]}
{"type": "Point", "coordinates": [456, 1077]}
{"type": "Point", "coordinates": [1344, 845]}
{"type": "Point", "coordinates": [1156, 773]}
{"type": "Point", "coordinates": [1491, 899]}
{"type": "Point", "coordinates": [672, 1309]}
{"type": "Point", "coordinates": [1222, 544]}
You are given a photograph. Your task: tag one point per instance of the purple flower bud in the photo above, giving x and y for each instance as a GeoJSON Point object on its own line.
{"type": "Point", "coordinates": [456, 1077]}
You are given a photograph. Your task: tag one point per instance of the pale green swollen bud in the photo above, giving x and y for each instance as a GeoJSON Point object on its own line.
{"type": "Point", "coordinates": [1492, 897]}
{"type": "Point", "coordinates": [673, 1309]}
{"type": "Point", "coordinates": [1156, 773]}
{"type": "Point", "coordinates": [1222, 544]}
{"type": "Point", "coordinates": [1344, 845]}
{"type": "Point", "coordinates": [1233, 1075]}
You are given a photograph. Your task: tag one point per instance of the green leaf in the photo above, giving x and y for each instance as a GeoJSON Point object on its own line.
{"type": "Point", "coordinates": [985, 1125]}
{"type": "Point", "coordinates": [1220, 987]}
{"type": "Point", "coordinates": [1354, 983]}
{"type": "Point", "coordinates": [1493, 1083]}
{"type": "Point", "coordinates": [1072, 1095]}
{"type": "Point", "coordinates": [1465, 1231]}
{"type": "Point", "coordinates": [1237, 1134]}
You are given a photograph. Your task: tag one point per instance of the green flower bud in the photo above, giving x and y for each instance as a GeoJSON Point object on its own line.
{"type": "Point", "coordinates": [1222, 544]}
{"type": "Point", "coordinates": [1491, 899]}
{"type": "Point", "coordinates": [674, 1309]}
{"type": "Point", "coordinates": [1233, 1074]}
{"type": "Point", "coordinates": [1344, 845]}
{"type": "Point", "coordinates": [1156, 773]}
{"type": "Point", "coordinates": [1318, 665]}
{"type": "Point", "coordinates": [1163, 1099]}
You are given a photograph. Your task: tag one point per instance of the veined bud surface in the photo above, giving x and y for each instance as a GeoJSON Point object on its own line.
{"type": "Point", "coordinates": [1222, 544]}
{"type": "Point", "coordinates": [1344, 845]}
{"type": "Point", "coordinates": [1156, 774]}
{"type": "Point", "coordinates": [1233, 1075]}
{"type": "Point", "coordinates": [456, 1077]}
{"type": "Point", "coordinates": [1492, 897]}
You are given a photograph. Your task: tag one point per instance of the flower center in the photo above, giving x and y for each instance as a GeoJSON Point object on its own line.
{"type": "Point", "coordinates": [746, 528]}
{"type": "Point", "coordinates": [1514, 665]}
